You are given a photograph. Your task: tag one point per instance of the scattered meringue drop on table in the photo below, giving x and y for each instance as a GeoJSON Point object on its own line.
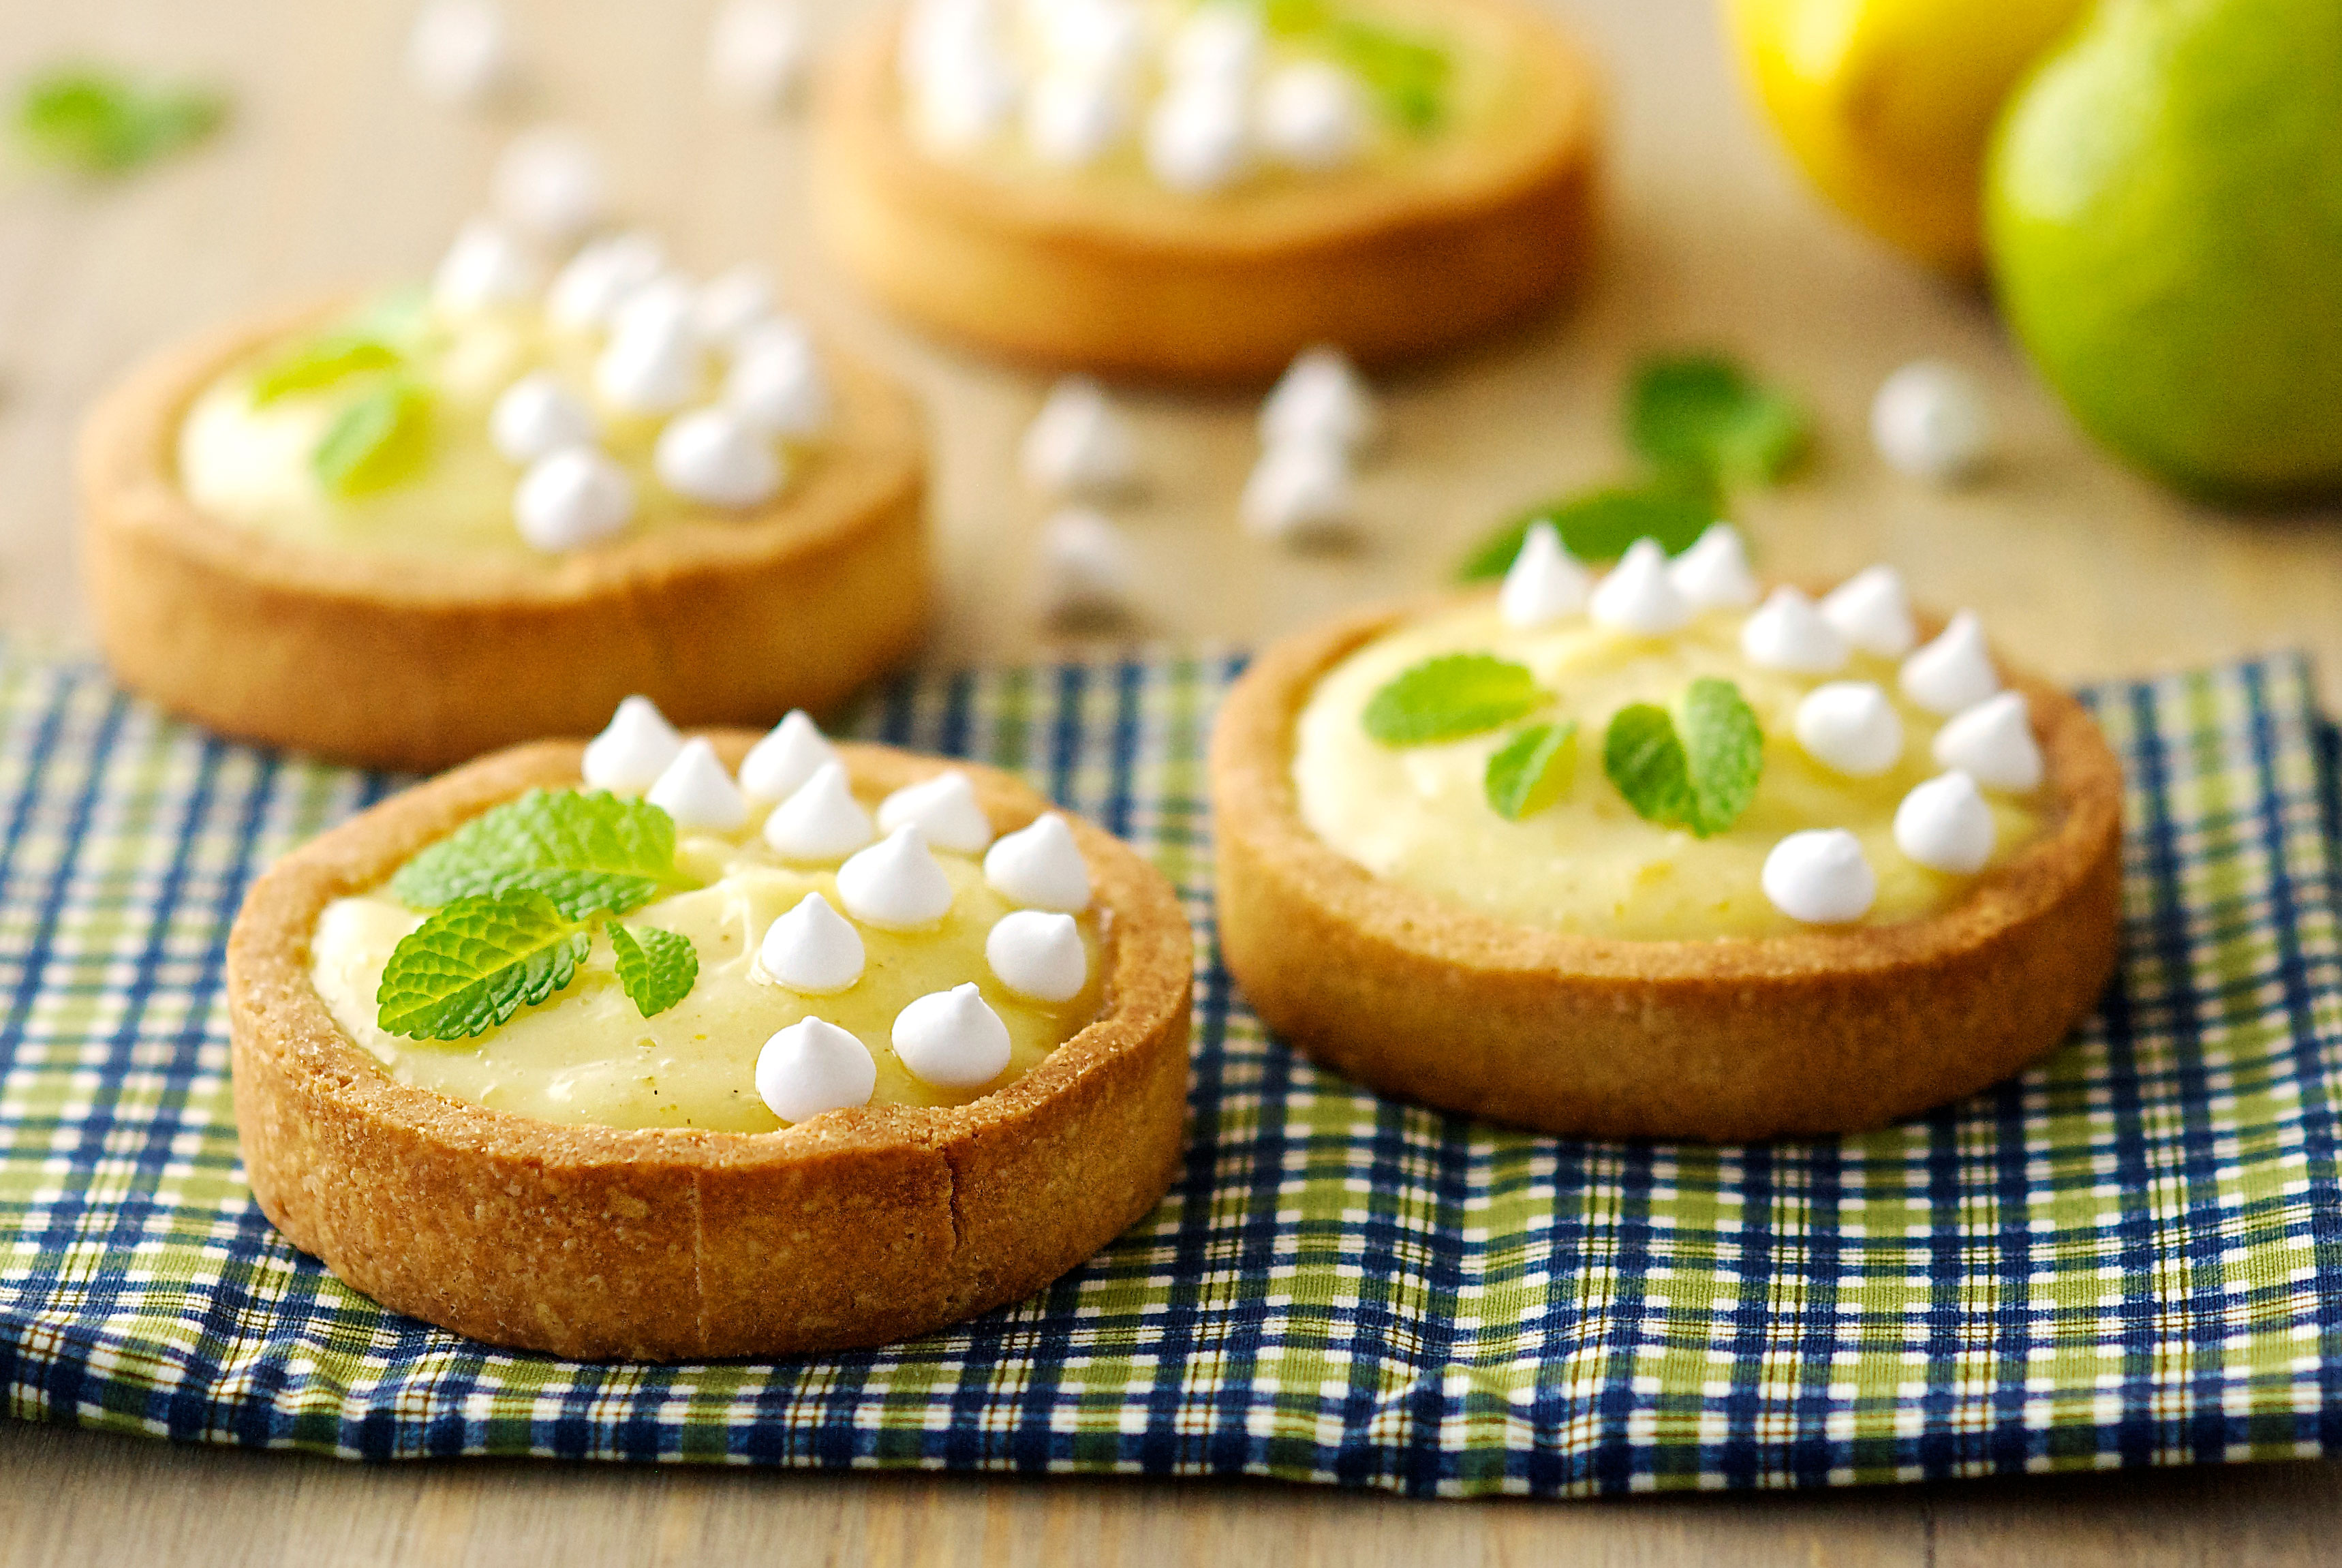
{"type": "Point", "coordinates": [810, 1055]}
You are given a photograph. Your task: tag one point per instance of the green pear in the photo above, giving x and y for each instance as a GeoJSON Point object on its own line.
{"type": "Point", "coordinates": [2163, 219]}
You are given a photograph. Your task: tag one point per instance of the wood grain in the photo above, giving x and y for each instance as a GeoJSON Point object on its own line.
{"type": "Point", "coordinates": [335, 172]}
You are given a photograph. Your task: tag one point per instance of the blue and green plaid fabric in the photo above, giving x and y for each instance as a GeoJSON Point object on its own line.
{"type": "Point", "coordinates": [2127, 1256]}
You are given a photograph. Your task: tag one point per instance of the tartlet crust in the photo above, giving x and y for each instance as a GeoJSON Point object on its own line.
{"type": "Point", "coordinates": [1814, 1032]}
{"type": "Point", "coordinates": [853, 1228]}
{"type": "Point", "coordinates": [420, 663]}
{"type": "Point", "coordinates": [1220, 289]}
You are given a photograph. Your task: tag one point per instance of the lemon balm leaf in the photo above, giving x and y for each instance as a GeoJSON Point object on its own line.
{"type": "Point", "coordinates": [1528, 772]}
{"type": "Point", "coordinates": [381, 438]}
{"type": "Point", "coordinates": [321, 363]}
{"type": "Point", "coordinates": [1699, 415]}
{"type": "Point", "coordinates": [1448, 698]}
{"type": "Point", "coordinates": [1644, 757]}
{"type": "Point", "coordinates": [99, 122]}
{"type": "Point", "coordinates": [474, 963]}
{"type": "Point", "coordinates": [1723, 753]}
{"type": "Point", "coordinates": [657, 968]}
{"type": "Point", "coordinates": [588, 852]}
{"type": "Point", "coordinates": [1406, 73]}
{"type": "Point", "coordinates": [1598, 526]}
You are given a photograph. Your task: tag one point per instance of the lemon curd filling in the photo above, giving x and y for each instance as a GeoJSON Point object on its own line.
{"type": "Point", "coordinates": [1589, 863]}
{"type": "Point", "coordinates": [587, 1056]}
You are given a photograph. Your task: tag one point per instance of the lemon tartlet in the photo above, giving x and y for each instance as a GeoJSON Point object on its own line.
{"type": "Point", "coordinates": [672, 1122]}
{"type": "Point", "coordinates": [1679, 865]}
{"type": "Point", "coordinates": [1200, 192]}
{"type": "Point", "coordinates": [406, 529]}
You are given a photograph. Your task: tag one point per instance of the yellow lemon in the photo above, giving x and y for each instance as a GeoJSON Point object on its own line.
{"type": "Point", "coordinates": [1889, 104]}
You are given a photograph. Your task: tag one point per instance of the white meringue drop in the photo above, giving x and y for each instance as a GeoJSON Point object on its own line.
{"type": "Point", "coordinates": [1872, 611]}
{"type": "Point", "coordinates": [1099, 37]}
{"type": "Point", "coordinates": [659, 308]}
{"type": "Point", "coordinates": [1993, 744]}
{"type": "Point", "coordinates": [952, 1039]}
{"type": "Point", "coordinates": [1713, 573]}
{"type": "Point", "coordinates": [1944, 825]}
{"type": "Point", "coordinates": [1931, 421]}
{"type": "Point", "coordinates": [1850, 727]}
{"type": "Point", "coordinates": [486, 266]}
{"type": "Point", "coordinates": [698, 793]}
{"type": "Point", "coordinates": [777, 767]}
{"type": "Point", "coordinates": [1820, 876]}
{"type": "Point", "coordinates": [811, 949]}
{"type": "Point", "coordinates": [710, 455]}
{"type": "Point", "coordinates": [548, 182]}
{"type": "Point", "coordinates": [961, 100]}
{"type": "Point", "coordinates": [1298, 489]}
{"type": "Point", "coordinates": [895, 884]}
{"type": "Point", "coordinates": [731, 303]}
{"type": "Point", "coordinates": [1786, 632]}
{"type": "Point", "coordinates": [1321, 397]}
{"type": "Point", "coordinates": [1074, 116]}
{"type": "Point", "coordinates": [757, 53]}
{"type": "Point", "coordinates": [1312, 116]}
{"type": "Point", "coordinates": [1545, 581]}
{"type": "Point", "coordinates": [536, 414]}
{"type": "Point", "coordinates": [1038, 952]}
{"type": "Point", "coordinates": [633, 749]}
{"type": "Point", "coordinates": [776, 381]}
{"type": "Point", "coordinates": [571, 498]}
{"type": "Point", "coordinates": [1196, 140]}
{"type": "Point", "coordinates": [1079, 444]}
{"type": "Point", "coordinates": [944, 809]}
{"type": "Point", "coordinates": [812, 1066]}
{"type": "Point", "coordinates": [1085, 567]}
{"type": "Point", "coordinates": [1041, 866]}
{"type": "Point", "coordinates": [1955, 671]}
{"type": "Point", "coordinates": [821, 820]}
{"type": "Point", "coordinates": [1638, 595]}
{"type": "Point", "coordinates": [460, 51]}
{"type": "Point", "coordinates": [1217, 43]}
{"type": "Point", "coordinates": [654, 369]}
{"type": "Point", "coordinates": [587, 292]}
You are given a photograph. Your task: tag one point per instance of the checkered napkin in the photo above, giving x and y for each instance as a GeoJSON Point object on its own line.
{"type": "Point", "coordinates": [2127, 1256]}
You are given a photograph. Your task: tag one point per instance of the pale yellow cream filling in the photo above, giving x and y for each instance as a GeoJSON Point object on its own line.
{"type": "Point", "coordinates": [1419, 815]}
{"type": "Point", "coordinates": [587, 1056]}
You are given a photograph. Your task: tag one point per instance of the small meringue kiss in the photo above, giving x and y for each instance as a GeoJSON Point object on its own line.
{"type": "Point", "coordinates": [1638, 595]}
{"type": "Point", "coordinates": [1871, 611]}
{"type": "Point", "coordinates": [1954, 672]}
{"type": "Point", "coordinates": [727, 304]}
{"type": "Point", "coordinates": [483, 268]}
{"type": "Point", "coordinates": [1820, 877]}
{"type": "Point", "coordinates": [1993, 744]}
{"type": "Point", "coordinates": [571, 498]}
{"type": "Point", "coordinates": [1298, 490]}
{"type": "Point", "coordinates": [1320, 397]}
{"type": "Point", "coordinates": [812, 1066]}
{"type": "Point", "coordinates": [588, 291]}
{"type": "Point", "coordinates": [1085, 570]}
{"type": "Point", "coordinates": [777, 767]}
{"type": "Point", "coordinates": [1073, 117]}
{"type": "Point", "coordinates": [944, 809]}
{"type": "Point", "coordinates": [1038, 952]}
{"type": "Point", "coordinates": [460, 51]}
{"type": "Point", "coordinates": [895, 884]}
{"type": "Point", "coordinates": [1850, 727]}
{"type": "Point", "coordinates": [1786, 632]}
{"type": "Point", "coordinates": [1079, 444]}
{"type": "Point", "coordinates": [1931, 421]}
{"type": "Point", "coordinates": [633, 749]}
{"type": "Point", "coordinates": [757, 53]}
{"type": "Point", "coordinates": [1544, 583]}
{"type": "Point", "coordinates": [1313, 115]}
{"type": "Point", "coordinates": [1944, 825]}
{"type": "Point", "coordinates": [811, 949]}
{"type": "Point", "coordinates": [821, 820]}
{"type": "Point", "coordinates": [549, 182]}
{"type": "Point", "coordinates": [710, 455]}
{"type": "Point", "coordinates": [1041, 867]}
{"type": "Point", "coordinates": [952, 1039]}
{"type": "Point", "coordinates": [536, 414]}
{"type": "Point", "coordinates": [1196, 138]}
{"type": "Point", "coordinates": [1714, 573]}
{"type": "Point", "coordinates": [652, 368]}
{"type": "Point", "coordinates": [777, 382]}
{"type": "Point", "coordinates": [697, 793]}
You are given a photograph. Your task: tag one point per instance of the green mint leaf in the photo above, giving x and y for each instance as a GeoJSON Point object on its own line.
{"type": "Point", "coordinates": [1450, 696]}
{"type": "Point", "coordinates": [659, 968]}
{"type": "Point", "coordinates": [322, 361]}
{"type": "Point", "coordinates": [590, 853]}
{"type": "Point", "coordinates": [379, 440]}
{"type": "Point", "coordinates": [98, 122]}
{"type": "Point", "coordinates": [1599, 525]}
{"type": "Point", "coordinates": [1527, 774]}
{"type": "Point", "coordinates": [1645, 758]}
{"type": "Point", "coordinates": [1296, 18]}
{"type": "Point", "coordinates": [1406, 73]}
{"type": "Point", "coordinates": [1699, 415]}
{"type": "Point", "coordinates": [474, 963]}
{"type": "Point", "coordinates": [1723, 747]}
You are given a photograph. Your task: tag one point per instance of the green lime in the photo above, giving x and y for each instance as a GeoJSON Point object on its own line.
{"type": "Point", "coordinates": [2164, 216]}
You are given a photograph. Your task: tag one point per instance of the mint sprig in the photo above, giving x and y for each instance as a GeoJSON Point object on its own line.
{"type": "Point", "coordinates": [322, 361]}
{"type": "Point", "coordinates": [1449, 696]}
{"type": "Point", "coordinates": [381, 439]}
{"type": "Point", "coordinates": [1698, 414]}
{"type": "Point", "coordinates": [95, 121]}
{"type": "Point", "coordinates": [1696, 768]}
{"type": "Point", "coordinates": [589, 851]}
{"type": "Point", "coordinates": [1527, 774]}
{"type": "Point", "coordinates": [476, 962]}
{"type": "Point", "coordinates": [657, 968]}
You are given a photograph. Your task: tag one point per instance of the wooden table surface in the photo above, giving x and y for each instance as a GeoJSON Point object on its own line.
{"type": "Point", "coordinates": [335, 171]}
